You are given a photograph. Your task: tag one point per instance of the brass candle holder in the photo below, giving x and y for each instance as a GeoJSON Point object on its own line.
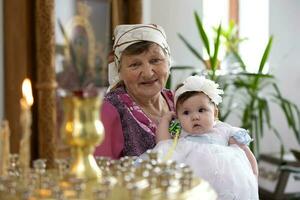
{"type": "Point", "coordinates": [83, 131]}
{"type": "Point", "coordinates": [83, 177]}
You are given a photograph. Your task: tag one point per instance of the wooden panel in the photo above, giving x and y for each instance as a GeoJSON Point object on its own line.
{"type": "Point", "coordinates": [18, 60]}
{"type": "Point", "coordinates": [46, 81]}
{"type": "Point", "coordinates": [135, 11]}
{"type": "Point", "coordinates": [126, 12]}
{"type": "Point", "coordinates": [234, 11]}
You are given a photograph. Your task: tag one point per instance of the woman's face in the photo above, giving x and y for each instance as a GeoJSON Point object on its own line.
{"type": "Point", "coordinates": [145, 74]}
{"type": "Point", "coordinates": [197, 114]}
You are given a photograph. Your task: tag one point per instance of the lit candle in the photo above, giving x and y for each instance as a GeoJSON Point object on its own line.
{"type": "Point", "coordinates": [25, 120]}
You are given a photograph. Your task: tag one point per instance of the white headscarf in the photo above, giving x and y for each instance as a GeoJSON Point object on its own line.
{"type": "Point", "coordinates": [201, 84]}
{"type": "Point", "coordinates": [126, 35]}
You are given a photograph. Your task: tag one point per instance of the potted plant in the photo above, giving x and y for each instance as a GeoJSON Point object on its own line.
{"type": "Point", "coordinates": [247, 95]}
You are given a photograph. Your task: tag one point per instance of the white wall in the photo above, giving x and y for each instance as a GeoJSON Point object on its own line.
{"type": "Point", "coordinates": [177, 16]}
{"type": "Point", "coordinates": [285, 63]}
{"type": "Point", "coordinates": [256, 29]}
{"type": "Point", "coordinates": [1, 61]}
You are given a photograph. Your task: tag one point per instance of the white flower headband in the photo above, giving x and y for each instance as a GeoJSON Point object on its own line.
{"type": "Point", "coordinates": [126, 35]}
{"type": "Point", "coordinates": [201, 84]}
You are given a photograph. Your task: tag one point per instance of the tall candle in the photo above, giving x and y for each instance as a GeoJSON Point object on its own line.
{"type": "Point", "coordinates": [26, 121]}
{"type": "Point", "coordinates": [4, 147]}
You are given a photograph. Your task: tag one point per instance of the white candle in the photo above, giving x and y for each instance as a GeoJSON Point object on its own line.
{"type": "Point", "coordinates": [4, 147]}
{"type": "Point", "coordinates": [26, 121]}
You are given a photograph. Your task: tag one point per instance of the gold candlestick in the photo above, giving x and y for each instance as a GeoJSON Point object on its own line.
{"type": "Point", "coordinates": [83, 130]}
{"type": "Point", "coordinates": [26, 121]}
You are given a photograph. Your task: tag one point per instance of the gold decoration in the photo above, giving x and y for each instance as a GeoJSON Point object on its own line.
{"type": "Point", "coordinates": [81, 21]}
{"type": "Point", "coordinates": [128, 178]}
{"type": "Point", "coordinates": [83, 130]}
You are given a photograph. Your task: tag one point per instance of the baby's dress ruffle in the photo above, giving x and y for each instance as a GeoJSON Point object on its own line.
{"type": "Point", "coordinates": [226, 168]}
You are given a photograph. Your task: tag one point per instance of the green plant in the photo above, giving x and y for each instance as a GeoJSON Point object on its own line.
{"type": "Point", "coordinates": [230, 40]}
{"type": "Point", "coordinates": [248, 95]}
{"type": "Point", "coordinates": [231, 37]}
{"type": "Point", "coordinates": [212, 63]}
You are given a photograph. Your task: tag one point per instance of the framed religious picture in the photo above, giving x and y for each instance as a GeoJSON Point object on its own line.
{"type": "Point", "coordinates": [83, 42]}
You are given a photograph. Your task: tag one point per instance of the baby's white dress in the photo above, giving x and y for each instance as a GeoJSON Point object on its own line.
{"type": "Point", "coordinates": [225, 167]}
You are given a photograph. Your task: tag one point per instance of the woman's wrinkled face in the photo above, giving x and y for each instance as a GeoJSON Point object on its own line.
{"type": "Point", "coordinates": [197, 114]}
{"type": "Point", "coordinates": [145, 74]}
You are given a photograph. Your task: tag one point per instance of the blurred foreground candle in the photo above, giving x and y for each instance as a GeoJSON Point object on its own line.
{"type": "Point", "coordinates": [4, 147]}
{"type": "Point", "coordinates": [25, 120]}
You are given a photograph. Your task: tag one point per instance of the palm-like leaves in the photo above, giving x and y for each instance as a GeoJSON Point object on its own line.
{"type": "Point", "coordinates": [256, 114]}
{"type": "Point", "coordinates": [252, 92]}
{"type": "Point", "coordinates": [212, 64]}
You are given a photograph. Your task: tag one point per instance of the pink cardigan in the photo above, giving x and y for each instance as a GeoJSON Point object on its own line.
{"type": "Point", "coordinates": [113, 144]}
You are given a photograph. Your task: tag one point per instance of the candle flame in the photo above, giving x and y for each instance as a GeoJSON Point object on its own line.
{"type": "Point", "coordinates": [27, 91]}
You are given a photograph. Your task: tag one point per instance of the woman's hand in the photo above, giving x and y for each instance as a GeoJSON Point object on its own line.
{"type": "Point", "coordinates": [167, 117]}
{"type": "Point", "coordinates": [162, 132]}
{"type": "Point", "coordinates": [248, 153]}
{"type": "Point", "coordinates": [232, 141]}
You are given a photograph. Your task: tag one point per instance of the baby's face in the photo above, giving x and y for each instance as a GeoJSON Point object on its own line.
{"type": "Point", "coordinates": [197, 114]}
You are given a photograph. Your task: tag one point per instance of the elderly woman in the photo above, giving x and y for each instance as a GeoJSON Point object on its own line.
{"type": "Point", "coordinates": [137, 98]}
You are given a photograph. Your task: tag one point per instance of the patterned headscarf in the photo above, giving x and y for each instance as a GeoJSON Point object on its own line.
{"type": "Point", "coordinates": [126, 35]}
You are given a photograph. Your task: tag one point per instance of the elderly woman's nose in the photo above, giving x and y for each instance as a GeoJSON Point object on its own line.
{"type": "Point", "coordinates": [148, 70]}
